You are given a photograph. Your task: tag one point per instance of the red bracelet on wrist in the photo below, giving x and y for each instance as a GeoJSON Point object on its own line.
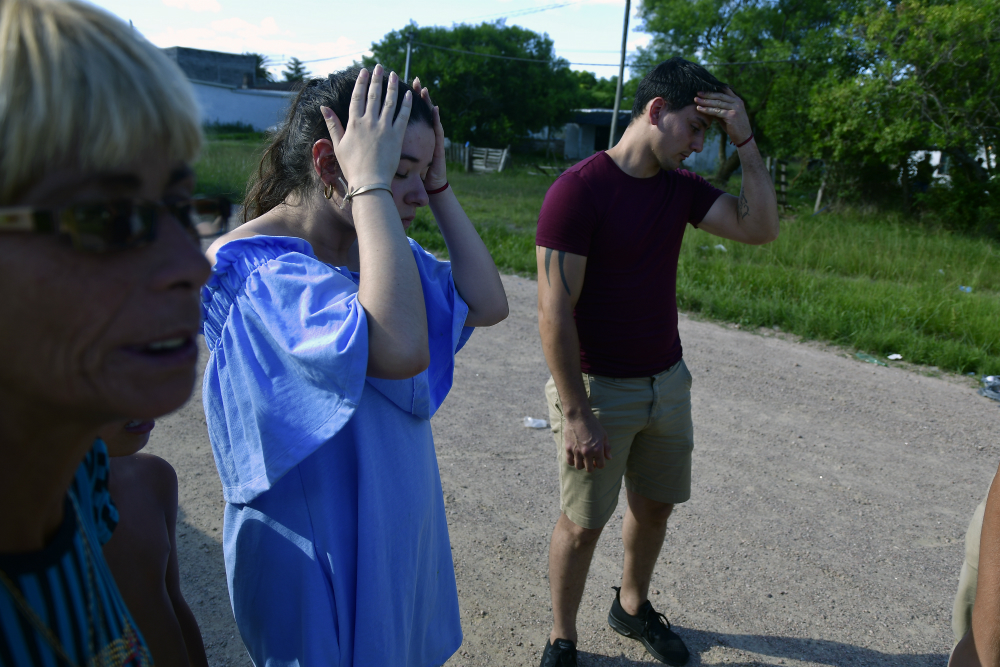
{"type": "Point", "coordinates": [440, 189]}
{"type": "Point", "coordinates": [744, 143]}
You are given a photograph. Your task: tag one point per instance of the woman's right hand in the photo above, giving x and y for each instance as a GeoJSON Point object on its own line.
{"type": "Point", "coordinates": [368, 148]}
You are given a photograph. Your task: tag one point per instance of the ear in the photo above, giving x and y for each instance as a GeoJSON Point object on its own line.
{"type": "Point", "coordinates": [328, 169]}
{"type": "Point", "coordinates": [656, 109]}
{"type": "Point", "coordinates": [325, 161]}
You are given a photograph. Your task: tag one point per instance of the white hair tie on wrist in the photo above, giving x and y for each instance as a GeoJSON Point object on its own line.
{"type": "Point", "coordinates": [363, 189]}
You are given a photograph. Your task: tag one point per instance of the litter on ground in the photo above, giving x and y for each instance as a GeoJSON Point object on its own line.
{"type": "Point", "coordinates": [870, 359]}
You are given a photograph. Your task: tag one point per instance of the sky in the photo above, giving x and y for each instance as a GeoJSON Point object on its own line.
{"type": "Point", "coordinates": [588, 32]}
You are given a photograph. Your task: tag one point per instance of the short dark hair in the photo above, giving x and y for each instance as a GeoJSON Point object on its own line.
{"type": "Point", "coordinates": [677, 81]}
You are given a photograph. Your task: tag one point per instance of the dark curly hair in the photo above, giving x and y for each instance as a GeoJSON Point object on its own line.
{"type": "Point", "coordinates": [286, 166]}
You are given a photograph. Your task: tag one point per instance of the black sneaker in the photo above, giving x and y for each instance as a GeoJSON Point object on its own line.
{"type": "Point", "coordinates": [560, 654]}
{"type": "Point", "coordinates": [651, 628]}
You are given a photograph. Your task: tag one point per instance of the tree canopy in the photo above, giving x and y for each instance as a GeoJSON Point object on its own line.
{"type": "Point", "coordinates": [489, 101]}
{"type": "Point", "coordinates": [262, 63]}
{"type": "Point", "coordinates": [295, 70]}
{"type": "Point", "coordinates": [858, 82]}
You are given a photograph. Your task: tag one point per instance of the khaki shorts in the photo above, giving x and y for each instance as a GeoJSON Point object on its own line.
{"type": "Point", "coordinates": [648, 422]}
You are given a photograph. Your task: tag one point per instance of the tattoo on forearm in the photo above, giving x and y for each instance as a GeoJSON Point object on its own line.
{"type": "Point", "coordinates": [562, 272]}
{"type": "Point", "coordinates": [743, 208]}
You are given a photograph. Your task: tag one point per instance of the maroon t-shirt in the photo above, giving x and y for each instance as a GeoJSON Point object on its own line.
{"type": "Point", "coordinates": [630, 230]}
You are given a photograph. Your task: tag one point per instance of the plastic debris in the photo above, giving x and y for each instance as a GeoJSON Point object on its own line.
{"type": "Point", "coordinates": [991, 387]}
{"type": "Point", "coordinates": [870, 359]}
{"type": "Point", "coordinates": [530, 422]}
{"type": "Point", "coordinates": [941, 271]}
{"type": "Point", "coordinates": [720, 247]}
{"type": "Point", "coordinates": [965, 289]}
{"type": "Point", "coordinates": [895, 357]}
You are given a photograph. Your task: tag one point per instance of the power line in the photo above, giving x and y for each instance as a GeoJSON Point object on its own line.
{"type": "Point", "coordinates": [317, 60]}
{"type": "Point", "coordinates": [522, 12]}
{"type": "Point", "coordinates": [524, 60]}
{"type": "Point", "coordinates": [753, 62]}
{"type": "Point", "coordinates": [540, 61]}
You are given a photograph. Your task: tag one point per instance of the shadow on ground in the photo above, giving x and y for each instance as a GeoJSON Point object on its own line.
{"type": "Point", "coordinates": [774, 650]}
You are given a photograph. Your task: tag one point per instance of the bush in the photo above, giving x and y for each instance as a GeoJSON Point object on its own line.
{"type": "Point", "coordinates": [964, 205]}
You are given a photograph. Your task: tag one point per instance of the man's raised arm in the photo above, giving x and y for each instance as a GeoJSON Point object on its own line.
{"type": "Point", "coordinates": [753, 216]}
{"type": "Point", "coordinates": [560, 281]}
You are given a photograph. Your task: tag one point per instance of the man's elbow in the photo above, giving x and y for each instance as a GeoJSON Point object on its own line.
{"type": "Point", "coordinates": [765, 235]}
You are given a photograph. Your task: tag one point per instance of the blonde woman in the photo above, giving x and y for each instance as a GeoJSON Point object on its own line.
{"type": "Point", "coordinates": [99, 279]}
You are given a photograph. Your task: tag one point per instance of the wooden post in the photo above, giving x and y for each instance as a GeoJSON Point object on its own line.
{"type": "Point", "coordinates": [468, 156]}
{"type": "Point", "coordinates": [503, 158]}
{"type": "Point", "coordinates": [783, 187]}
{"type": "Point", "coordinates": [621, 74]}
{"type": "Point", "coordinates": [819, 195]}
{"type": "Point", "coordinates": [767, 165]}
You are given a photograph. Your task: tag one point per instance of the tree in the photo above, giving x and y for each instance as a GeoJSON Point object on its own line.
{"type": "Point", "coordinates": [488, 101]}
{"type": "Point", "coordinates": [929, 78]}
{"type": "Point", "coordinates": [262, 63]}
{"type": "Point", "coordinates": [772, 53]}
{"type": "Point", "coordinates": [295, 70]}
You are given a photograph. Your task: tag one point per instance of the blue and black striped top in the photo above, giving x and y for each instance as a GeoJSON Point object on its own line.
{"type": "Point", "coordinates": [60, 606]}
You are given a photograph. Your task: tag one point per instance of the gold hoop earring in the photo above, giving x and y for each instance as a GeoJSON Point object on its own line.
{"type": "Point", "coordinates": [328, 190]}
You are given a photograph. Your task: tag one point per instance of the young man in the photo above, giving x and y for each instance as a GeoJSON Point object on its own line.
{"type": "Point", "coordinates": [609, 235]}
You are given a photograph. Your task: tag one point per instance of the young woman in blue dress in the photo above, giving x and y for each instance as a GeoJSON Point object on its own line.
{"type": "Point", "coordinates": [332, 339]}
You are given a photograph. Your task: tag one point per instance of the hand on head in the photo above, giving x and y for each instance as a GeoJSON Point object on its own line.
{"type": "Point", "coordinates": [368, 148]}
{"type": "Point", "coordinates": [437, 174]}
{"type": "Point", "coordinates": [728, 109]}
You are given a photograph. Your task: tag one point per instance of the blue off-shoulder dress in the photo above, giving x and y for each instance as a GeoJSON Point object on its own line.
{"type": "Point", "coordinates": [336, 543]}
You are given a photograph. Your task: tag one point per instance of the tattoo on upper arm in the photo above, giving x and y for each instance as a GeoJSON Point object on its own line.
{"type": "Point", "coordinates": [562, 273]}
{"type": "Point", "coordinates": [743, 207]}
{"type": "Point", "coordinates": [562, 270]}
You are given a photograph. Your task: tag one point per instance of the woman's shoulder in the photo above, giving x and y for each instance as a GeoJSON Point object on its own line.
{"type": "Point", "coordinates": [240, 257]}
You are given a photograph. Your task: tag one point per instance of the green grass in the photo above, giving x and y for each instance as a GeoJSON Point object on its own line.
{"type": "Point", "coordinates": [225, 166]}
{"type": "Point", "coordinates": [504, 208]}
{"type": "Point", "coordinates": [867, 281]}
{"type": "Point", "coordinates": [873, 284]}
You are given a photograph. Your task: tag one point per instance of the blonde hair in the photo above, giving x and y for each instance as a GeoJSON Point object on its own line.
{"type": "Point", "coordinates": [80, 88]}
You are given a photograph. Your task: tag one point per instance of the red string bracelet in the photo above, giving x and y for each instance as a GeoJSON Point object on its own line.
{"type": "Point", "coordinates": [745, 142]}
{"type": "Point", "coordinates": [440, 189]}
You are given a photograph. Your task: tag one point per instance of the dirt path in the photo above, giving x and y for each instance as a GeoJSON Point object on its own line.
{"type": "Point", "coordinates": [830, 499]}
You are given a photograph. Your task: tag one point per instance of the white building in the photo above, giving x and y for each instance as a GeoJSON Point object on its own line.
{"type": "Point", "coordinates": [227, 90]}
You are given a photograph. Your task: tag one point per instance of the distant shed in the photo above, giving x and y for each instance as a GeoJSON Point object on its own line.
{"type": "Point", "coordinates": [590, 130]}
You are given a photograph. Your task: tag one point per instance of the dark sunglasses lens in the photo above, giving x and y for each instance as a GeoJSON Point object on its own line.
{"type": "Point", "coordinates": [109, 226]}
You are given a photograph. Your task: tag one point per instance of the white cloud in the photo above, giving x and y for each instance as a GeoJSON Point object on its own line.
{"type": "Point", "coordinates": [236, 35]}
{"type": "Point", "coordinates": [195, 5]}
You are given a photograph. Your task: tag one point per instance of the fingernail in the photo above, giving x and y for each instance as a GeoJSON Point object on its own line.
{"type": "Point", "coordinates": [393, 77]}
{"type": "Point", "coordinates": [327, 112]}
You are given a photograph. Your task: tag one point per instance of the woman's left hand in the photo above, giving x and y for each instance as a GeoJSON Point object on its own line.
{"type": "Point", "coordinates": [437, 174]}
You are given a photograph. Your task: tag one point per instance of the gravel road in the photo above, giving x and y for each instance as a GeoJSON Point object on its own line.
{"type": "Point", "coordinates": [830, 499]}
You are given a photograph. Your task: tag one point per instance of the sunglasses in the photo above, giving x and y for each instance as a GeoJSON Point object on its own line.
{"type": "Point", "coordinates": [115, 225]}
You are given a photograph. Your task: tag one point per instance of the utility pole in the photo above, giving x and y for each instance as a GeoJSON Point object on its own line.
{"type": "Point", "coordinates": [406, 74]}
{"type": "Point", "coordinates": [621, 73]}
